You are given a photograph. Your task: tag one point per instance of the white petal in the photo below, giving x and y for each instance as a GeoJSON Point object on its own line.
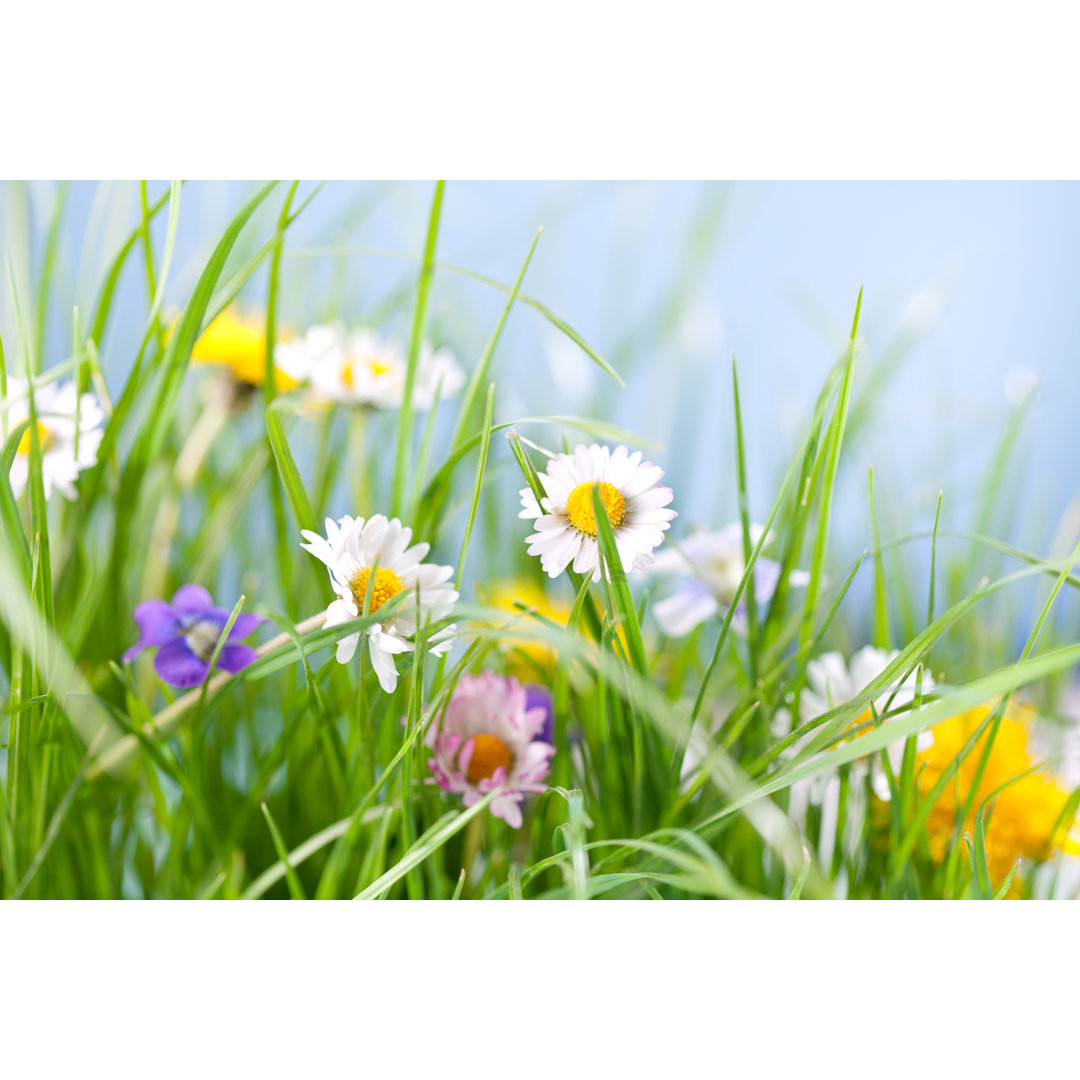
{"type": "Point", "coordinates": [686, 609]}
{"type": "Point", "coordinates": [383, 663]}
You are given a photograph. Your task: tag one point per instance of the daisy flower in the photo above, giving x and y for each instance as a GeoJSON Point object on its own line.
{"type": "Point", "coordinates": [185, 633]}
{"type": "Point", "coordinates": [632, 497]}
{"type": "Point", "coordinates": [64, 416]}
{"type": "Point", "coordinates": [360, 368]}
{"type": "Point", "coordinates": [716, 563]}
{"type": "Point", "coordinates": [350, 550]}
{"type": "Point", "coordinates": [490, 739]}
{"type": "Point", "coordinates": [831, 681]}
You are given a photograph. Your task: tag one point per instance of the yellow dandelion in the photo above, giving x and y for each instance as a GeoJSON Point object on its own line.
{"type": "Point", "coordinates": [528, 659]}
{"type": "Point", "coordinates": [238, 343]}
{"type": "Point", "coordinates": [1023, 821]}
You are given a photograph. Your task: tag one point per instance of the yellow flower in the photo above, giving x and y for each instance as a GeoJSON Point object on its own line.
{"type": "Point", "coordinates": [1022, 817]}
{"type": "Point", "coordinates": [239, 344]}
{"type": "Point", "coordinates": [528, 659]}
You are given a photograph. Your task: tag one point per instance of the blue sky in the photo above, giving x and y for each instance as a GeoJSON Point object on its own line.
{"type": "Point", "coordinates": [668, 280]}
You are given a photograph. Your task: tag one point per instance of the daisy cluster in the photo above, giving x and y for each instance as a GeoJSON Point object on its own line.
{"type": "Point", "coordinates": [329, 364]}
{"type": "Point", "coordinates": [494, 734]}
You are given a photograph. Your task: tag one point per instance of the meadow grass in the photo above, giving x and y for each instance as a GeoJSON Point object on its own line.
{"type": "Point", "coordinates": [674, 774]}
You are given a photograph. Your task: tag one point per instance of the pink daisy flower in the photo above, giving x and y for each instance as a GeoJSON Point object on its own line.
{"type": "Point", "coordinates": [488, 739]}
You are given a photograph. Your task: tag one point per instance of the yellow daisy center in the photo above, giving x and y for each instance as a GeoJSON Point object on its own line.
{"type": "Point", "coordinates": [488, 754]}
{"type": "Point", "coordinates": [579, 507]}
{"type": "Point", "coordinates": [44, 438]}
{"type": "Point", "coordinates": [387, 585]}
{"type": "Point", "coordinates": [372, 363]}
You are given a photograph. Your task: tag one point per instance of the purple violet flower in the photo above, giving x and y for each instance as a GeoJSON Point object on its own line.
{"type": "Point", "coordinates": [185, 633]}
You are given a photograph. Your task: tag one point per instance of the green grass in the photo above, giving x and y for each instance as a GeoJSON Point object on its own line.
{"type": "Point", "coordinates": [300, 778]}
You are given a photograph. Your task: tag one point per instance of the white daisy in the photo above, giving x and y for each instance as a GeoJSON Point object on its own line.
{"type": "Point", "coordinates": [831, 682]}
{"type": "Point", "coordinates": [299, 356]}
{"type": "Point", "coordinates": [713, 566]}
{"type": "Point", "coordinates": [349, 550]}
{"type": "Point", "coordinates": [61, 410]}
{"type": "Point", "coordinates": [566, 525]}
{"type": "Point", "coordinates": [360, 368]}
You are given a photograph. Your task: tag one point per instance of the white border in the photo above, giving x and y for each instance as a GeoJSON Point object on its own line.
{"type": "Point", "coordinates": [545, 989]}
{"type": "Point", "coordinates": [213, 88]}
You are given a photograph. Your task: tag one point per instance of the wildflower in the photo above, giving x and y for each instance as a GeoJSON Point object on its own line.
{"type": "Point", "coordinates": [716, 562]}
{"type": "Point", "coordinates": [64, 417]}
{"type": "Point", "coordinates": [185, 633]}
{"type": "Point", "coordinates": [238, 344]}
{"type": "Point", "coordinates": [490, 739]}
{"type": "Point", "coordinates": [351, 550]}
{"type": "Point", "coordinates": [1023, 821]}
{"type": "Point", "coordinates": [360, 368]}
{"type": "Point", "coordinates": [539, 697]}
{"type": "Point", "coordinates": [527, 658]}
{"type": "Point", "coordinates": [566, 526]}
{"type": "Point", "coordinates": [832, 682]}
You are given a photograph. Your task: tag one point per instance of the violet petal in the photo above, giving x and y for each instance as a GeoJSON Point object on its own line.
{"type": "Point", "coordinates": [130, 654]}
{"type": "Point", "coordinates": [245, 624]}
{"type": "Point", "coordinates": [157, 623]}
{"type": "Point", "coordinates": [235, 657]}
{"type": "Point", "coordinates": [539, 697]}
{"type": "Point", "coordinates": [177, 665]}
{"type": "Point", "coordinates": [192, 599]}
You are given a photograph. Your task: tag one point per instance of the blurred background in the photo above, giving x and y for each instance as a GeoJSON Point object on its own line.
{"type": "Point", "coordinates": [967, 379]}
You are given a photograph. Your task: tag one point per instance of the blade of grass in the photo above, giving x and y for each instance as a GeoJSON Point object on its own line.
{"type": "Point", "coordinates": [425, 846]}
{"type": "Point", "coordinates": [744, 518]}
{"type": "Point", "coordinates": [881, 611]}
{"type": "Point", "coordinates": [295, 493]}
{"type": "Point", "coordinates": [481, 463]}
{"type": "Point", "coordinates": [479, 373]}
{"type": "Point", "coordinates": [295, 888]}
{"type": "Point", "coordinates": [405, 413]}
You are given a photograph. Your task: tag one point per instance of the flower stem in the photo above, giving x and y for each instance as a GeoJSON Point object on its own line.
{"type": "Point", "coordinates": [473, 835]}
{"type": "Point", "coordinates": [365, 731]}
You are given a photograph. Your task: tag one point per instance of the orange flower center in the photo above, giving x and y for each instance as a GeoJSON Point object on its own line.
{"type": "Point", "coordinates": [579, 506]}
{"type": "Point", "coordinates": [386, 586]}
{"type": "Point", "coordinates": [488, 754]}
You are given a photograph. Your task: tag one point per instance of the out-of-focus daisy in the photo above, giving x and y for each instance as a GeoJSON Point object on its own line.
{"type": "Point", "coordinates": [360, 368]}
{"type": "Point", "coordinates": [185, 633]}
{"type": "Point", "coordinates": [830, 682]}
{"type": "Point", "coordinates": [61, 414]}
{"type": "Point", "coordinates": [632, 497]}
{"type": "Point", "coordinates": [716, 563]}
{"type": "Point", "coordinates": [237, 343]}
{"type": "Point", "coordinates": [1024, 819]}
{"type": "Point", "coordinates": [490, 739]}
{"type": "Point", "coordinates": [351, 549]}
